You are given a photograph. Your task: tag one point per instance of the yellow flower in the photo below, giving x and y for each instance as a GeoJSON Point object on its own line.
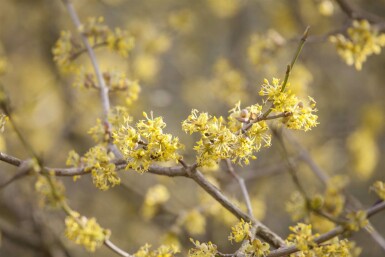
{"type": "Point", "coordinates": [240, 231]}
{"type": "Point", "coordinates": [363, 40]}
{"type": "Point", "coordinates": [86, 232]}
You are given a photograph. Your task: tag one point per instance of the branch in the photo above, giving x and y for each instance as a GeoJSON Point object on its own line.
{"type": "Point", "coordinates": [116, 249]}
{"type": "Point", "coordinates": [327, 236]}
{"type": "Point", "coordinates": [324, 178]}
{"type": "Point", "coordinates": [355, 13]}
{"type": "Point", "coordinates": [178, 171]}
{"type": "Point", "coordinates": [262, 231]}
{"type": "Point", "coordinates": [103, 87]}
{"type": "Point", "coordinates": [242, 185]}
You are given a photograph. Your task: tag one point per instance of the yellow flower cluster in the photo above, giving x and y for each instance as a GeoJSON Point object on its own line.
{"type": "Point", "coordinates": [194, 222]}
{"type": "Point", "coordinates": [146, 144]}
{"type": "Point", "coordinates": [226, 85]}
{"type": "Point", "coordinates": [224, 8]}
{"type": "Point", "coordinates": [150, 44]}
{"type": "Point", "coordinates": [86, 232]}
{"type": "Point", "coordinates": [117, 115]}
{"type": "Point", "coordinates": [331, 202]}
{"type": "Point", "coordinates": [262, 46]}
{"type": "Point", "coordinates": [222, 140]}
{"type": "Point", "coordinates": [67, 48]}
{"type": "Point", "coordinates": [356, 220]}
{"type": "Point", "coordinates": [202, 249]}
{"type": "Point", "coordinates": [116, 81]}
{"type": "Point", "coordinates": [240, 231]}
{"type": "Point", "coordinates": [300, 115]}
{"type": "Point", "coordinates": [155, 196]}
{"type": "Point", "coordinates": [162, 251]}
{"type": "Point", "coordinates": [182, 20]}
{"type": "Point", "coordinates": [256, 248]}
{"type": "Point", "coordinates": [98, 161]}
{"type": "Point", "coordinates": [379, 188]}
{"type": "Point", "coordinates": [362, 40]}
{"type": "Point", "coordinates": [65, 51]}
{"type": "Point", "coordinates": [48, 197]}
{"type": "Point", "coordinates": [251, 247]}
{"type": "Point", "coordinates": [303, 238]}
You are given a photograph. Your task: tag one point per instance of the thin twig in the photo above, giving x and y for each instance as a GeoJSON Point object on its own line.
{"type": "Point", "coordinates": [324, 178]}
{"type": "Point", "coordinates": [355, 13]}
{"type": "Point", "coordinates": [242, 185]}
{"type": "Point", "coordinates": [103, 87]}
{"type": "Point", "coordinates": [262, 230]}
{"type": "Point", "coordinates": [116, 249]}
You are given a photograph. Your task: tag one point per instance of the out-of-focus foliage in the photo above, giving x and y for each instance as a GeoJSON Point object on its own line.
{"type": "Point", "coordinates": [169, 58]}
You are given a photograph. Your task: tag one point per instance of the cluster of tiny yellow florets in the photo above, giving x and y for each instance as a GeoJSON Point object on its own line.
{"type": "Point", "coordinates": [303, 238]}
{"type": "Point", "coordinates": [194, 222]}
{"type": "Point", "coordinates": [300, 115]}
{"type": "Point", "coordinates": [146, 144]}
{"type": "Point", "coordinates": [101, 133]}
{"type": "Point", "coordinates": [262, 46]}
{"type": "Point", "coordinates": [241, 232]}
{"type": "Point", "coordinates": [244, 132]}
{"type": "Point", "coordinates": [222, 140]}
{"type": "Point", "coordinates": [51, 191]}
{"type": "Point", "coordinates": [98, 161]}
{"type": "Point", "coordinates": [182, 20]}
{"type": "Point", "coordinates": [151, 43]}
{"type": "Point", "coordinates": [202, 249]}
{"type": "Point", "coordinates": [116, 81]}
{"type": "Point", "coordinates": [227, 83]}
{"type": "Point", "coordinates": [356, 220]}
{"type": "Point", "coordinates": [362, 41]}
{"type": "Point", "coordinates": [379, 188]}
{"type": "Point", "coordinates": [84, 231]}
{"type": "Point", "coordinates": [224, 9]}
{"type": "Point", "coordinates": [155, 197]}
{"type": "Point", "coordinates": [162, 251]}
{"type": "Point", "coordinates": [67, 48]}
{"type": "Point", "coordinates": [331, 202]}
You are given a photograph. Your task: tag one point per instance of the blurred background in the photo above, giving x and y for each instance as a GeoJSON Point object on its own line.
{"type": "Point", "coordinates": [209, 54]}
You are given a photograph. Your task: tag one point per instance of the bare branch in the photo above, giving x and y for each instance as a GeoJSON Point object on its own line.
{"type": "Point", "coordinates": [116, 249]}
{"type": "Point", "coordinates": [242, 185]}
{"type": "Point", "coordinates": [356, 13]}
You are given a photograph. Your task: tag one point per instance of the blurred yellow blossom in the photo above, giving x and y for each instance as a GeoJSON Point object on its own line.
{"type": "Point", "coordinates": [362, 41]}
{"type": "Point", "coordinates": [155, 196]}
{"type": "Point", "coordinates": [86, 232]}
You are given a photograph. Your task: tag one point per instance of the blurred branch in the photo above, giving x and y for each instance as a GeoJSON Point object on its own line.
{"type": "Point", "coordinates": [324, 178]}
{"type": "Point", "coordinates": [103, 87]}
{"type": "Point", "coordinates": [178, 171]}
{"type": "Point", "coordinates": [15, 234]}
{"type": "Point", "coordinates": [116, 249]}
{"type": "Point", "coordinates": [262, 231]}
{"type": "Point", "coordinates": [242, 185]}
{"type": "Point", "coordinates": [354, 12]}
